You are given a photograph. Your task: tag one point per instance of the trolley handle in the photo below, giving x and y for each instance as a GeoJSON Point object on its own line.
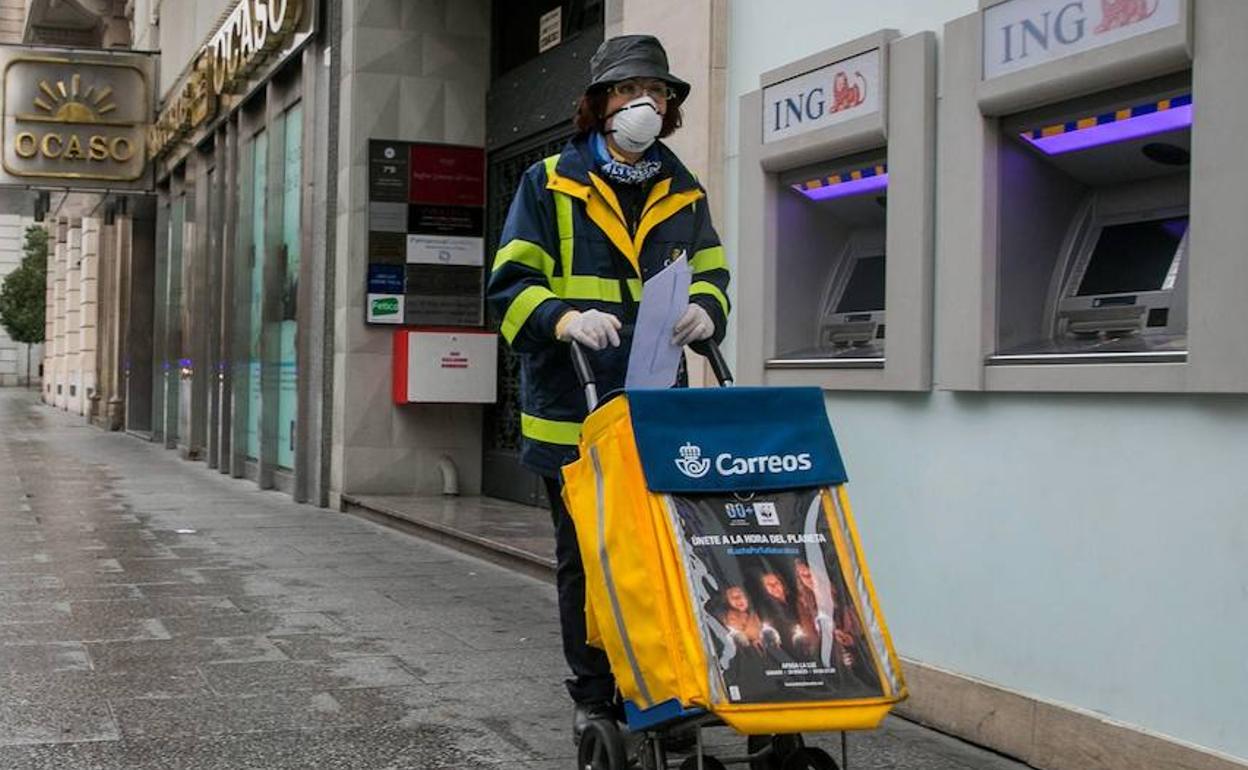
{"type": "Point", "coordinates": [589, 382]}
{"type": "Point", "coordinates": [585, 374]}
{"type": "Point", "coordinates": [710, 349]}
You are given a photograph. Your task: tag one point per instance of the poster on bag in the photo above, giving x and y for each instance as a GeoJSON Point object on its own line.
{"type": "Point", "coordinates": [778, 620]}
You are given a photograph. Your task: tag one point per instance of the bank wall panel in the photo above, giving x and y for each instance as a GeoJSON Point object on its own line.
{"type": "Point", "coordinates": [1079, 549]}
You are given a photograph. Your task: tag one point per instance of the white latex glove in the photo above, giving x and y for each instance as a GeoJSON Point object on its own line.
{"type": "Point", "coordinates": [592, 328]}
{"type": "Point", "coordinates": [694, 326]}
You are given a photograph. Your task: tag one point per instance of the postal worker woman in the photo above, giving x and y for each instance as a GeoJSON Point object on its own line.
{"type": "Point", "coordinates": [585, 231]}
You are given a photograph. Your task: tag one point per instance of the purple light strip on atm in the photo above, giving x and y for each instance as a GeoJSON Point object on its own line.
{"type": "Point", "coordinates": [853, 187]}
{"type": "Point", "coordinates": [1112, 133]}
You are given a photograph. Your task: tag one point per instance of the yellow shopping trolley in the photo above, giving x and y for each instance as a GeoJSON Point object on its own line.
{"type": "Point", "coordinates": [724, 576]}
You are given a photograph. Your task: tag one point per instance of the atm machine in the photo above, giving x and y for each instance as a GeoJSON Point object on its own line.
{"type": "Point", "coordinates": [1115, 204]}
{"type": "Point", "coordinates": [833, 291]}
{"type": "Point", "coordinates": [1092, 179]}
{"type": "Point", "coordinates": [848, 327]}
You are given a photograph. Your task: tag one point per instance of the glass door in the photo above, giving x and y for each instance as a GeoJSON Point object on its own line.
{"type": "Point", "coordinates": [174, 357]}
{"type": "Point", "coordinates": [256, 197]}
{"type": "Point", "coordinates": [291, 125]}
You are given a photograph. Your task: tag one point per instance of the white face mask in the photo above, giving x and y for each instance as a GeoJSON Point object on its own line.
{"type": "Point", "coordinates": [636, 125]}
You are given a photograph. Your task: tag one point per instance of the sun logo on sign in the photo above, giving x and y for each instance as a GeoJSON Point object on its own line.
{"type": "Point", "coordinates": [70, 104]}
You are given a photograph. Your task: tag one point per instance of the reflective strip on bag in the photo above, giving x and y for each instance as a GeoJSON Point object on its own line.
{"type": "Point", "coordinates": [605, 560]}
{"type": "Point", "coordinates": [563, 432]}
{"type": "Point", "coordinates": [866, 598]}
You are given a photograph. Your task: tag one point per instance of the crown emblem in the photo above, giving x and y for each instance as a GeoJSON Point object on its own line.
{"type": "Point", "coordinates": [691, 462]}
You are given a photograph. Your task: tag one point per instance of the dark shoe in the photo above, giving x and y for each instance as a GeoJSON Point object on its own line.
{"type": "Point", "coordinates": [585, 713]}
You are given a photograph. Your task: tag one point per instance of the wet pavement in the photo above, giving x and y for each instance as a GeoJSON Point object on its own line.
{"type": "Point", "coordinates": [156, 614]}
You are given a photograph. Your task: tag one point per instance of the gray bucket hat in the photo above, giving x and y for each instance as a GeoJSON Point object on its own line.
{"type": "Point", "coordinates": [633, 56]}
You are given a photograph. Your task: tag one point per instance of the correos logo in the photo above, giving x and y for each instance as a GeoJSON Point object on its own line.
{"type": "Point", "coordinates": [695, 466]}
{"type": "Point", "coordinates": [692, 463]}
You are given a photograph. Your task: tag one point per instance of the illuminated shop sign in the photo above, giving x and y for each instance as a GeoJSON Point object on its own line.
{"type": "Point", "coordinates": [824, 97]}
{"type": "Point", "coordinates": [1020, 34]}
{"type": "Point", "coordinates": [74, 119]}
{"type": "Point", "coordinates": [251, 31]}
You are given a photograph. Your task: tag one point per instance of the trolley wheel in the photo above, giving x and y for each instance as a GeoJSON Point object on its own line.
{"type": "Point", "coordinates": [810, 758]}
{"type": "Point", "coordinates": [602, 747]}
{"type": "Point", "coordinates": [708, 763]}
{"type": "Point", "coordinates": [781, 747]}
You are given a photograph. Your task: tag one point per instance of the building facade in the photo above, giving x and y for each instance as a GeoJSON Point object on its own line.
{"type": "Point", "coordinates": [1058, 560]}
{"type": "Point", "coordinates": [14, 356]}
{"type": "Point", "coordinates": [1026, 537]}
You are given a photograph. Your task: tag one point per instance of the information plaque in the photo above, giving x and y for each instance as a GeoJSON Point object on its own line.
{"type": "Point", "coordinates": [426, 234]}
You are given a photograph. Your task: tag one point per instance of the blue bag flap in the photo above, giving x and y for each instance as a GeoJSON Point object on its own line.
{"type": "Point", "coordinates": [734, 439]}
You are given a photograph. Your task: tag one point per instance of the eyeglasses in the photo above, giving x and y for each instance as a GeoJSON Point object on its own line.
{"type": "Point", "coordinates": [631, 89]}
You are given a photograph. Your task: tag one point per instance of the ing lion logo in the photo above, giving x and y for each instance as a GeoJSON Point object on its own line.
{"type": "Point", "coordinates": [846, 96]}
{"type": "Point", "coordinates": [61, 103]}
{"type": "Point", "coordinates": [1123, 13]}
{"type": "Point", "coordinates": [692, 463]}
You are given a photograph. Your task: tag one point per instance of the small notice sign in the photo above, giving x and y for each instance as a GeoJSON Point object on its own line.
{"type": "Point", "coordinates": [550, 29]}
{"type": "Point", "coordinates": [445, 250]}
{"type": "Point", "coordinates": [385, 308]}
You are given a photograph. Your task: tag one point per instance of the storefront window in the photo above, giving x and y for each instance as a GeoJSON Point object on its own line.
{"type": "Point", "coordinates": [259, 181]}
{"type": "Point", "coordinates": [288, 395]}
{"type": "Point", "coordinates": [173, 314]}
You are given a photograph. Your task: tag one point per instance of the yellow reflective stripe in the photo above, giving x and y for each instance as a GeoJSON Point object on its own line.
{"type": "Point", "coordinates": [600, 214]}
{"type": "Point", "coordinates": [708, 259]}
{"type": "Point", "coordinates": [521, 308]}
{"type": "Point", "coordinates": [657, 193]}
{"type": "Point", "coordinates": [661, 211]}
{"type": "Point", "coordinates": [608, 195]}
{"type": "Point", "coordinates": [563, 215]}
{"type": "Point", "coordinates": [527, 254]}
{"type": "Point", "coordinates": [594, 288]}
{"type": "Point", "coordinates": [551, 431]}
{"type": "Point", "coordinates": [705, 287]}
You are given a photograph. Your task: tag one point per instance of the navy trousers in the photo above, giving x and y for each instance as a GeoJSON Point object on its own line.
{"type": "Point", "coordinates": [591, 673]}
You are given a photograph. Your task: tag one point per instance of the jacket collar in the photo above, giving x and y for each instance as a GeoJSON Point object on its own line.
{"type": "Point", "coordinates": [576, 161]}
{"type": "Point", "coordinates": [670, 193]}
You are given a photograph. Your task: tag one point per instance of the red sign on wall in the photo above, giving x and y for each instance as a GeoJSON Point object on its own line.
{"type": "Point", "coordinates": [447, 175]}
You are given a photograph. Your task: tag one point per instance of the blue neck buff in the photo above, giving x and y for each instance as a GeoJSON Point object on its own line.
{"type": "Point", "coordinates": [617, 170]}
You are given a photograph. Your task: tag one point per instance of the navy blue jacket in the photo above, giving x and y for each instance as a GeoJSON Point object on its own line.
{"type": "Point", "coordinates": [566, 245]}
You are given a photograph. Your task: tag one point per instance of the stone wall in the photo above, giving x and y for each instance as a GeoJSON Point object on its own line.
{"type": "Point", "coordinates": [414, 72]}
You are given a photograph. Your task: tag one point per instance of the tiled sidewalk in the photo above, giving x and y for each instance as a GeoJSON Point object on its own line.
{"type": "Point", "coordinates": [155, 614]}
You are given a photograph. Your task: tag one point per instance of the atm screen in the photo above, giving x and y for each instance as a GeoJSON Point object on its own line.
{"type": "Point", "coordinates": [1133, 256]}
{"type": "Point", "coordinates": [865, 291]}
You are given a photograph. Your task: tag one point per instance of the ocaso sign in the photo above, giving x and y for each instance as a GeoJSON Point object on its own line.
{"type": "Point", "coordinates": [250, 33]}
{"type": "Point", "coordinates": [79, 118]}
